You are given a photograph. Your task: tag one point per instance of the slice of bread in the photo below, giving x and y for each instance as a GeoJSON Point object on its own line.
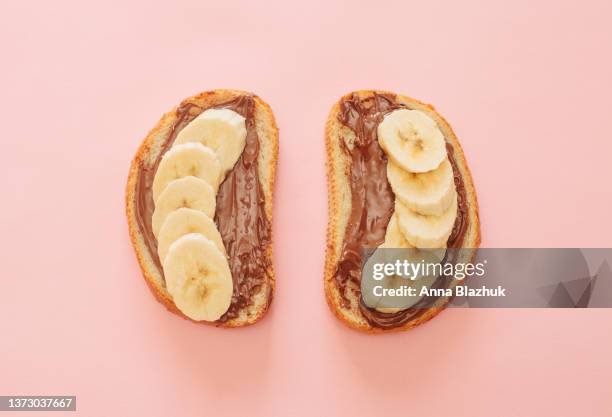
{"type": "Point", "coordinates": [146, 156]}
{"type": "Point", "coordinates": [339, 196]}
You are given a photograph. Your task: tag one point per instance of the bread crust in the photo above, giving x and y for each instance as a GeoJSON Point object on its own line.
{"type": "Point", "coordinates": [338, 172]}
{"type": "Point", "coordinates": [268, 156]}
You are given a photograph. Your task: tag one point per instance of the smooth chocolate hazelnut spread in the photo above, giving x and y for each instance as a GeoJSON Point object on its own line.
{"type": "Point", "coordinates": [240, 215]}
{"type": "Point", "coordinates": [373, 202]}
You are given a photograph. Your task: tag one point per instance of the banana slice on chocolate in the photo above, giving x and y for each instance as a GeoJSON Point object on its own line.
{"type": "Point", "coordinates": [373, 280]}
{"type": "Point", "coordinates": [412, 140]}
{"type": "Point", "coordinates": [190, 192]}
{"type": "Point", "coordinates": [397, 248]}
{"type": "Point", "coordinates": [394, 304]}
{"type": "Point", "coordinates": [222, 130]}
{"type": "Point", "coordinates": [183, 221]}
{"type": "Point", "coordinates": [198, 278]}
{"type": "Point", "coordinates": [394, 237]}
{"type": "Point", "coordinates": [393, 277]}
{"type": "Point", "coordinates": [424, 231]}
{"type": "Point", "coordinates": [429, 193]}
{"type": "Point", "coordinates": [187, 159]}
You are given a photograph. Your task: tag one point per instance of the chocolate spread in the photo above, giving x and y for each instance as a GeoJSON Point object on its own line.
{"type": "Point", "coordinates": [373, 202]}
{"type": "Point", "coordinates": [240, 215]}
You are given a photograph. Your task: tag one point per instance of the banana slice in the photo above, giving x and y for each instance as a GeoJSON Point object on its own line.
{"type": "Point", "coordinates": [187, 159]}
{"type": "Point", "coordinates": [396, 248]}
{"type": "Point", "coordinates": [370, 295]}
{"type": "Point", "coordinates": [393, 304]}
{"type": "Point", "coordinates": [184, 221]}
{"type": "Point", "coordinates": [393, 236]}
{"type": "Point", "coordinates": [190, 192]}
{"type": "Point", "coordinates": [426, 231]}
{"type": "Point", "coordinates": [373, 290]}
{"type": "Point", "coordinates": [412, 140]}
{"type": "Point", "coordinates": [222, 130]}
{"type": "Point", "coordinates": [198, 277]}
{"type": "Point", "coordinates": [429, 193]}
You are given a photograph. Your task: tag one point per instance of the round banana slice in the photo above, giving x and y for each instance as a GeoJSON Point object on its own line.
{"type": "Point", "coordinates": [198, 278]}
{"type": "Point", "coordinates": [370, 279]}
{"type": "Point", "coordinates": [393, 236]}
{"type": "Point", "coordinates": [424, 231]}
{"type": "Point", "coordinates": [187, 159]}
{"type": "Point", "coordinates": [184, 221]}
{"type": "Point", "coordinates": [190, 192]}
{"type": "Point", "coordinates": [397, 248]}
{"type": "Point", "coordinates": [393, 304]}
{"type": "Point", "coordinates": [429, 193]}
{"type": "Point", "coordinates": [412, 140]}
{"type": "Point", "coordinates": [394, 239]}
{"type": "Point", "coordinates": [222, 130]}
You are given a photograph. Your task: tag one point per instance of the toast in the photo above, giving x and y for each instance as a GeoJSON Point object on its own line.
{"type": "Point", "coordinates": [345, 304]}
{"type": "Point", "coordinates": [259, 290]}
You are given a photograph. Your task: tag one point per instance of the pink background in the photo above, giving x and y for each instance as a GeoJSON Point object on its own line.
{"type": "Point", "coordinates": [526, 86]}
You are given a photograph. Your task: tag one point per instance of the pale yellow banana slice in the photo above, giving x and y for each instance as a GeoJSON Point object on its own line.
{"type": "Point", "coordinates": [401, 250]}
{"type": "Point", "coordinates": [429, 193]}
{"type": "Point", "coordinates": [393, 304]}
{"type": "Point", "coordinates": [394, 239]}
{"type": "Point", "coordinates": [190, 192]}
{"type": "Point", "coordinates": [393, 236]}
{"type": "Point", "coordinates": [368, 283]}
{"type": "Point", "coordinates": [187, 159]}
{"type": "Point", "coordinates": [412, 140]}
{"type": "Point", "coordinates": [198, 277]}
{"type": "Point", "coordinates": [397, 249]}
{"type": "Point", "coordinates": [424, 231]}
{"type": "Point", "coordinates": [184, 221]}
{"type": "Point", "coordinates": [222, 130]}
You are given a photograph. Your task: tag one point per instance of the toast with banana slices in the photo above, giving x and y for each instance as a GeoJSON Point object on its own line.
{"type": "Point", "coordinates": [397, 178]}
{"type": "Point", "coordinates": [199, 208]}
